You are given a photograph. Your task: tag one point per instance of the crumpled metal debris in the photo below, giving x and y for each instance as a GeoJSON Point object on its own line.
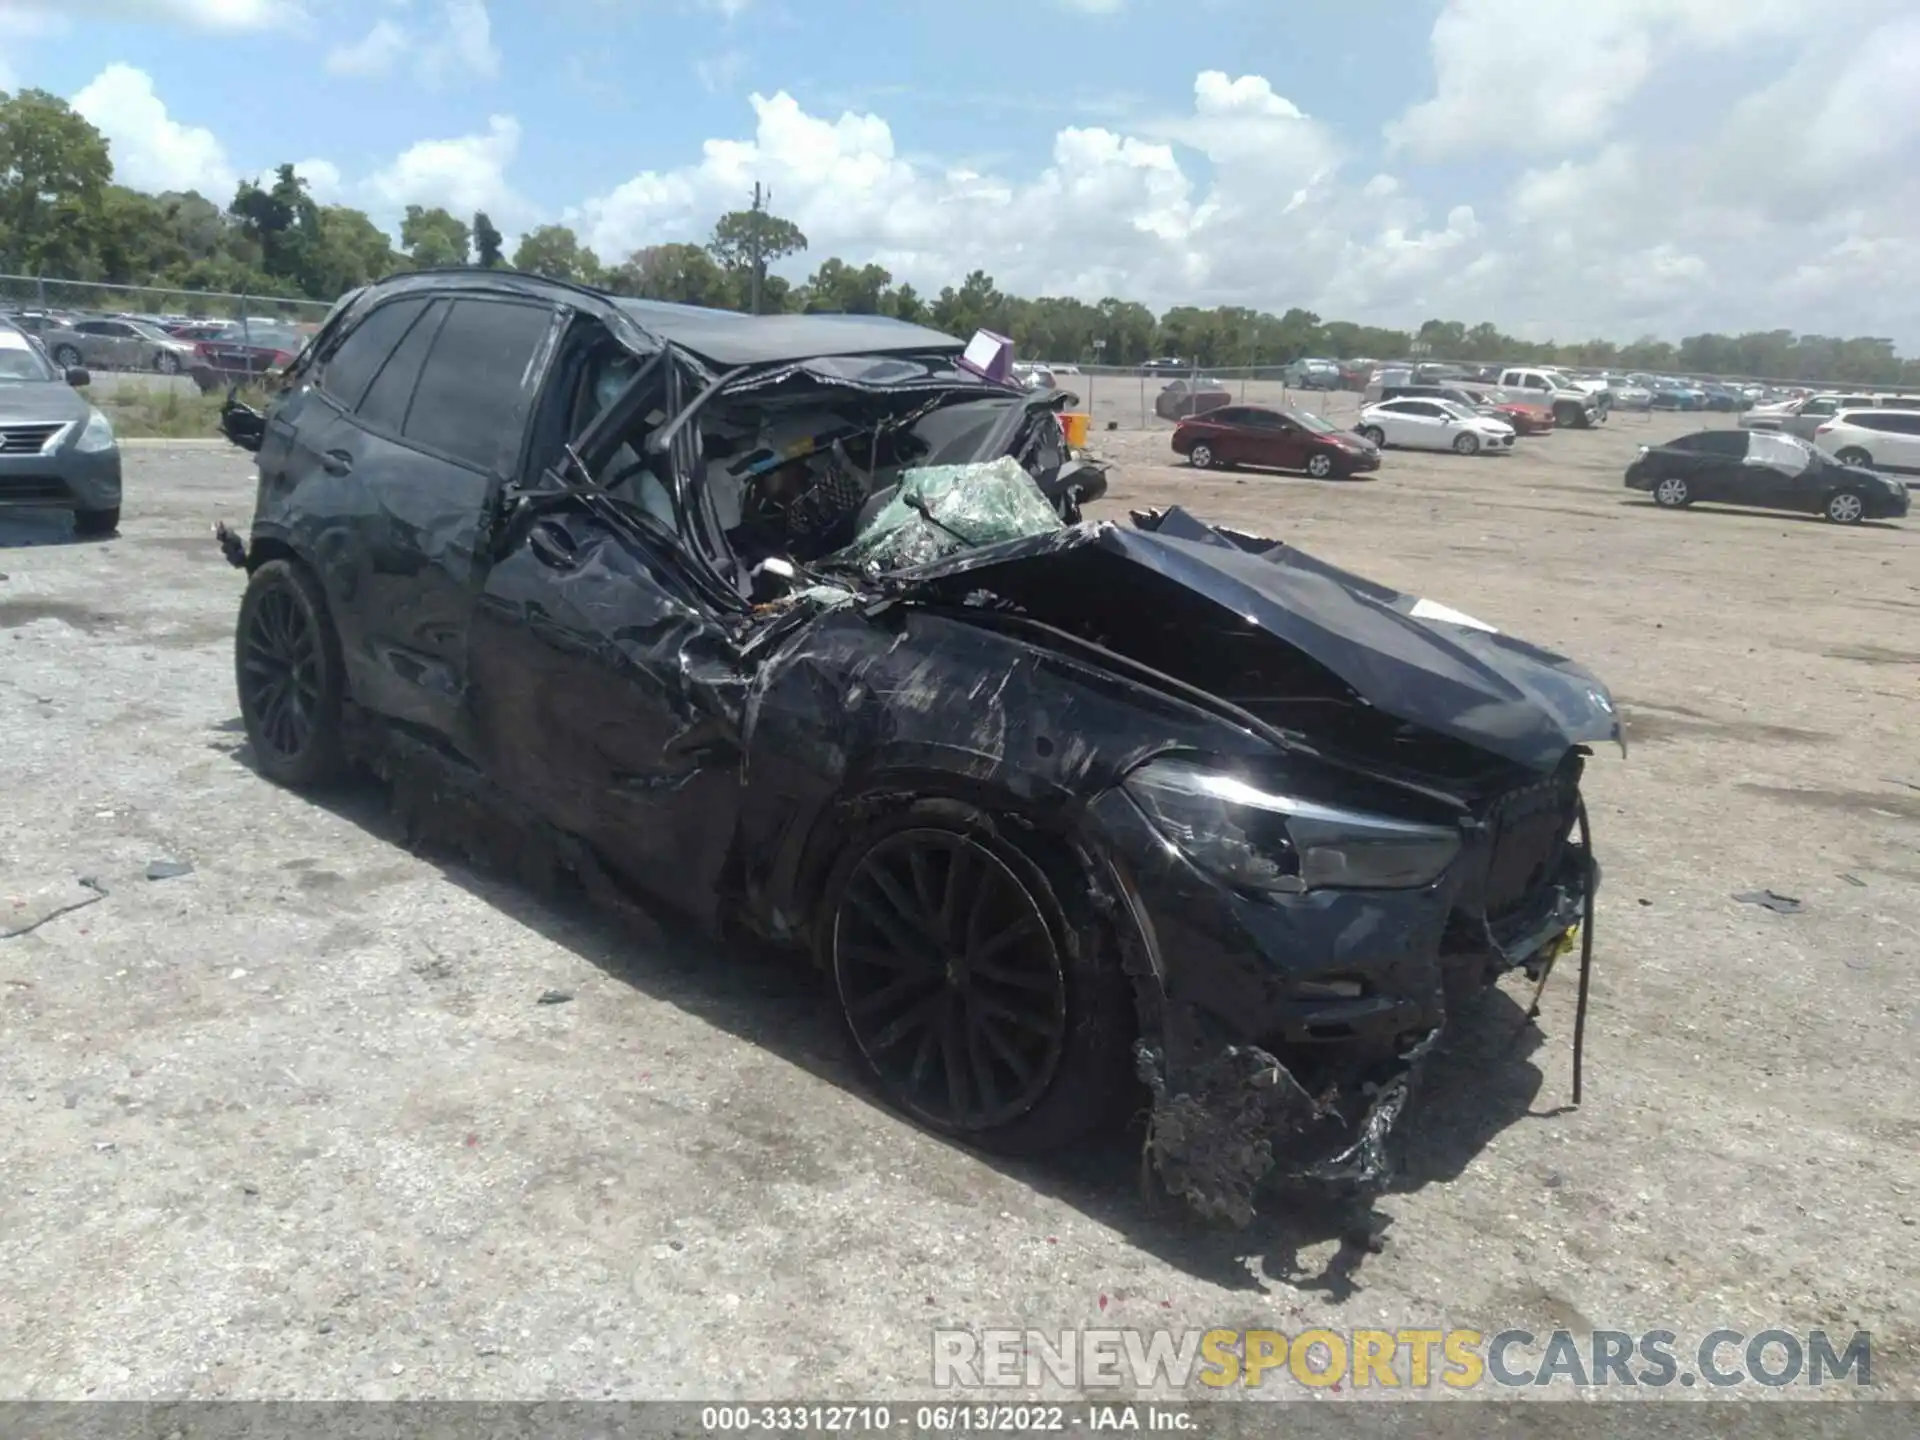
{"type": "Point", "coordinates": [1779, 904]}
{"type": "Point", "coordinates": [1212, 1140]}
{"type": "Point", "coordinates": [942, 510]}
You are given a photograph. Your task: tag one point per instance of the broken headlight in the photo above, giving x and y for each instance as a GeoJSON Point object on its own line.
{"type": "Point", "coordinates": [1254, 839]}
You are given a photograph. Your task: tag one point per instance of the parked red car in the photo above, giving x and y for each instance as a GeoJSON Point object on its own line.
{"type": "Point", "coordinates": [243, 355]}
{"type": "Point", "coordinates": [1283, 439]}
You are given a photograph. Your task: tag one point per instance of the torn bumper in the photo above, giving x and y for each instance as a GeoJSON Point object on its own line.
{"type": "Point", "coordinates": [1289, 1032]}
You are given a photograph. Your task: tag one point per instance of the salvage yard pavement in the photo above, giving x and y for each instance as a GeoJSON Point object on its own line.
{"type": "Point", "coordinates": [307, 1118]}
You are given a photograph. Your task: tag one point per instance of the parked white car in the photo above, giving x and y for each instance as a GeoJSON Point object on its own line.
{"type": "Point", "coordinates": [1433, 425]}
{"type": "Point", "coordinates": [1877, 439]}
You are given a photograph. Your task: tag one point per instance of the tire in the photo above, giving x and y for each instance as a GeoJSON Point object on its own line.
{"type": "Point", "coordinates": [290, 678]}
{"type": "Point", "coordinates": [96, 522]}
{"type": "Point", "coordinates": [1854, 455]}
{"type": "Point", "coordinates": [1072, 1006]}
{"type": "Point", "coordinates": [1373, 435]}
{"type": "Point", "coordinates": [66, 357]}
{"type": "Point", "coordinates": [1466, 445]}
{"type": "Point", "coordinates": [167, 363]}
{"type": "Point", "coordinates": [1201, 456]}
{"type": "Point", "coordinates": [1320, 465]}
{"type": "Point", "coordinates": [1846, 507]}
{"type": "Point", "coordinates": [1672, 493]}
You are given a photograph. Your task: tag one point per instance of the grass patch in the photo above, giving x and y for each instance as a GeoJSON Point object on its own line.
{"type": "Point", "coordinates": [167, 414]}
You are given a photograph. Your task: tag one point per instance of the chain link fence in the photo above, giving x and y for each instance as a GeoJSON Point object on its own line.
{"type": "Point", "coordinates": [1132, 398]}
{"type": "Point", "coordinates": [207, 337]}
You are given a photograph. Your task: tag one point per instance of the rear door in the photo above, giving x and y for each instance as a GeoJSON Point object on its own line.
{"type": "Point", "coordinates": [411, 424]}
{"type": "Point", "coordinates": [1226, 430]}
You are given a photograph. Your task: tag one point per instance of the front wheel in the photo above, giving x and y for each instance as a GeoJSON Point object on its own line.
{"type": "Point", "coordinates": [1846, 507]}
{"type": "Point", "coordinates": [1466, 445]}
{"type": "Point", "coordinates": [66, 357]}
{"type": "Point", "coordinates": [1372, 434]}
{"type": "Point", "coordinates": [980, 996]}
{"type": "Point", "coordinates": [1201, 457]}
{"type": "Point", "coordinates": [167, 363]}
{"type": "Point", "coordinates": [1854, 455]}
{"type": "Point", "coordinates": [1320, 465]}
{"type": "Point", "coordinates": [1672, 492]}
{"type": "Point", "coordinates": [96, 522]}
{"type": "Point", "coordinates": [290, 677]}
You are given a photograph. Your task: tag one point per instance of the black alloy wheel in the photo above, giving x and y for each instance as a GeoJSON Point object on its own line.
{"type": "Point", "coordinates": [288, 672]}
{"type": "Point", "coordinates": [951, 979]}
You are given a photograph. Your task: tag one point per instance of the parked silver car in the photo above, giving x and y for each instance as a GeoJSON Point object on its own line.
{"type": "Point", "coordinates": [108, 344]}
{"type": "Point", "coordinates": [57, 452]}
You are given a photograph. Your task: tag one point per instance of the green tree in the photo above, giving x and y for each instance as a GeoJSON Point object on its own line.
{"type": "Point", "coordinates": [353, 251]}
{"type": "Point", "coordinates": [556, 252]}
{"type": "Point", "coordinates": [905, 304]}
{"type": "Point", "coordinates": [285, 223]}
{"type": "Point", "coordinates": [435, 238]}
{"type": "Point", "coordinates": [839, 288]}
{"type": "Point", "coordinates": [486, 242]}
{"type": "Point", "coordinates": [53, 167]}
{"type": "Point", "coordinates": [686, 274]}
{"type": "Point", "coordinates": [746, 242]}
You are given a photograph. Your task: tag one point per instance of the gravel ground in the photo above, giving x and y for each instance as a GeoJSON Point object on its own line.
{"type": "Point", "coordinates": [295, 1124]}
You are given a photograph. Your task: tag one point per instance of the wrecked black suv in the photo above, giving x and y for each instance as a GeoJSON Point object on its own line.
{"type": "Point", "coordinates": [792, 621]}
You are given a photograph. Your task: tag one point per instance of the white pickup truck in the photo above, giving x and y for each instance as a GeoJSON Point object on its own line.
{"type": "Point", "coordinates": [1576, 404]}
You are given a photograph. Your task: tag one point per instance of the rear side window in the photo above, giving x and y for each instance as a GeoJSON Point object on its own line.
{"type": "Point", "coordinates": [388, 398]}
{"type": "Point", "coordinates": [468, 403]}
{"type": "Point", "coordinates": [1731, 443]}
{"type": "Point", "coordinates": [351, 368]}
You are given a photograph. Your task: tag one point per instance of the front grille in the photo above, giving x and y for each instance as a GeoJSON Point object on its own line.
{"type": "Point", "coordinates": [28, 489]}
{"type": "Point", "coordinates": [1531, 828]}
{"type": "Point", "coordinates": [27, 439]}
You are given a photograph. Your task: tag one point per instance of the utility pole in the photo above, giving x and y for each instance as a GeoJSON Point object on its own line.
{"type": "Point", "coordinates": [755, 238]}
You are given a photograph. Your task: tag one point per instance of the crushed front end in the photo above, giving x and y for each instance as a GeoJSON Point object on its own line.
{"type": "Point", "coordinates": [1304, 981]}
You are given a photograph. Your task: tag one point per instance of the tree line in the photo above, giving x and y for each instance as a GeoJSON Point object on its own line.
{"type": "Point", "coordinates": [63, 216]}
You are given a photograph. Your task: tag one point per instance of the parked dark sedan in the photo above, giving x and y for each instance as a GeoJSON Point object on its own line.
{"type": "Point", "coordinates": [1283, 439]}
{"type": "Point", "coordinates": [1059, 810]}
{"type": "Point", "coordinates": [1185, 398]}
{"type": "Point", "coordinates": [1764, 469]}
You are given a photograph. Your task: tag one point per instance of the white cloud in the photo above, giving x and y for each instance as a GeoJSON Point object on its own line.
{"type": "Point", "coordinates": [1095, 7]}
{"type": "Point", "coordinates": [464, 174]}
{"type": "Point", "coordinates": [150, 149]}
{"type": "Point", "coordinates": [1539, 78]}
{"type": "Point", "coordinates": [458, 44]}
{"type": "Point", "coordinates": [462, 45]}
{"type": "Point", "coordinates": [375, 53]}
{"type": "Point", "coordinates": [230, 16]}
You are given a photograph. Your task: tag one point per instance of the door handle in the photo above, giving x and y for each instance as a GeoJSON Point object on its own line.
{"type": "Point", "coordinates": [552, 546]}
{"type": "Point", "coordinates": [336, 462]}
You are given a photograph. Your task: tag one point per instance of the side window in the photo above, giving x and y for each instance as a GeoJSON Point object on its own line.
{"type": "Point", "coordinates": [1732, 444]}
{"type": "Point", "coordinates": [92, 327]}
{"type": "Point", "coordinates": [1690, 443]}
{"type": "Point", "coordinates": [469, 402]}
{"type": "Point", "coordinates": [391, 393]}
{"type": "Point", "coordinates": [1818, 407]}
{"type": "Point", "coordinates": [1230, 415]}
{"type": "Point", "coordinates": [1900, 423]}
{"type": "Point", "coordinates": [350, 369]}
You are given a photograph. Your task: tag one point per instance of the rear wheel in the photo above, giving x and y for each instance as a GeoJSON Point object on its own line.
{"type": "Point", "coordinates": [1854, 455]}
{"type": "Point", "coordinates": [66, 357]}
{"type": "Point", "coordinates": [1320, 465]}
{"type": "Point", "coordinates": [1846, 507]}
{"type": "Point", "coordinates": [977, 998]}
{"type": "Point", "coordinates": [1202, 456]}
{"type": "Point", "coordinates": [1372, 434]}
{"type": "Point", "coordinates": [1673, 493]}
{"type": "Point", "coordinates": [167, 363]}
{"type": "Point", "coordinates": [290, 677]}
{"type": "Point", "coordinates": [1466, 445]}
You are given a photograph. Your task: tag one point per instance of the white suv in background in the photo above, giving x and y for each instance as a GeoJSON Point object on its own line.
{"type": "Point", "coordinates": [1880, 439]}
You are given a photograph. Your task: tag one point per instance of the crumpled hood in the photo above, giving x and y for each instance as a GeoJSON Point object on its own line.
{"type": "Point", "coordinates": [1410, 658]}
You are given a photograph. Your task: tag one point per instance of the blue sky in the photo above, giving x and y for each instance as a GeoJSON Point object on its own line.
{"type": "Point", "coordinates": [1561, 167]}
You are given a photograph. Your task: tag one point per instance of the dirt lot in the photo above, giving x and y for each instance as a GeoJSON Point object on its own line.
{"type": "Point", "coordinates": [295, 1124]}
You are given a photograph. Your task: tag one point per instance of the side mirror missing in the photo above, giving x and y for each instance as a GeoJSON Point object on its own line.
{"type": "Point", "coordinates": [78, 378]}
